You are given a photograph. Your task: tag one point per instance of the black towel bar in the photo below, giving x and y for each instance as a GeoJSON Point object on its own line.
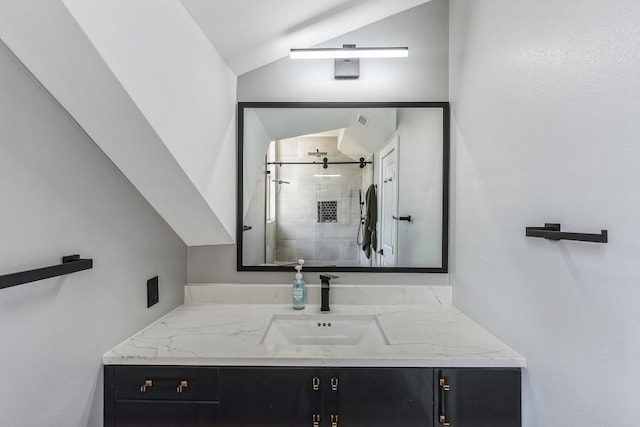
{"type": "Point", "coordinates": [552, 231]}
{"type": "Point", "coordinates": [70, 264]}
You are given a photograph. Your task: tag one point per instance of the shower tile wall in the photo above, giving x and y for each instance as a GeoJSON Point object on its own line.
{"type": "Point", "coordinates": [270, 242]}
{"type": "Point", "coordinates": [298, 233]}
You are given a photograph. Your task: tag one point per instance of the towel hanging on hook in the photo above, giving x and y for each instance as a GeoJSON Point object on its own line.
{"type": "Point", "coordinates": [369, 238]}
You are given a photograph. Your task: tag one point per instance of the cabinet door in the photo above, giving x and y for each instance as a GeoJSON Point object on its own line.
{"type": "Point", "coordinates": [251, 397]}
{"type": "Point", "coordinates": [470, 397]}
{"type": "Point", "coordinates": [379, 397]}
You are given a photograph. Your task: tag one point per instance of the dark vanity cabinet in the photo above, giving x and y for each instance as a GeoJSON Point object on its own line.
{"type": "Point", "coordinates": [311, 397]}
{"type": "Point", "coordinates": [326, 397]}
{"type": "Point", "coordinates": [379, 397]}
{"type": "Point", "coordinates": [160, 396]}
{"type": "Point", "coordinates": [478, 397]}
{"type": "Point", "coordinates": [270, 396]}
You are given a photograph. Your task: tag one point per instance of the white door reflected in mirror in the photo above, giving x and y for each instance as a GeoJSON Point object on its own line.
{"type": "Point", "coordinates": [389, 202]}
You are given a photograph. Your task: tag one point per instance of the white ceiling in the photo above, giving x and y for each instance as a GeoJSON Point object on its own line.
{"type": "Point", "coordinates": [251, 33]}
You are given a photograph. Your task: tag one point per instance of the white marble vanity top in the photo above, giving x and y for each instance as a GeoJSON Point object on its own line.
{"type": "Point", "coordinates": [211, 334]}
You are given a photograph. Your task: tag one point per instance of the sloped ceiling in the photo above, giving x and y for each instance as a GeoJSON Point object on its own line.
{"type": "Point", "coordinates": [251, 33]}
{"type": "Point", "coordinates": [129, 100]}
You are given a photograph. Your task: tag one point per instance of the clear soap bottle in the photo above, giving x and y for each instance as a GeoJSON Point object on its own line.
{"type": "Point", "coordinates": [299, 290]}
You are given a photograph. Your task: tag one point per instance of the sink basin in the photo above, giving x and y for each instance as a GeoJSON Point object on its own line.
{"type": "Point", "coordinates": [324, 329]}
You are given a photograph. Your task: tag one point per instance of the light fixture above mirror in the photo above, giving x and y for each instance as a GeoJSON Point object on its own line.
{"type": "Point", "coordinates": [349, 51]}
{"type": "Point", "coordinates": [347, 58]}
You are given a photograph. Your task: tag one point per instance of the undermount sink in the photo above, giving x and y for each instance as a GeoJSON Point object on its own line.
{"type": "Point", "coordinates": [324, 329]}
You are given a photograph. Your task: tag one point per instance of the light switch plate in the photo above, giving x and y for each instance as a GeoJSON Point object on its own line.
{"type": "Point", "coordinates": [152, 291]}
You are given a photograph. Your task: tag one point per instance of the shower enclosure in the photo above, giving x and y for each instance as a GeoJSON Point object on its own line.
{"type": "Point", "coordinates": [313, 201]}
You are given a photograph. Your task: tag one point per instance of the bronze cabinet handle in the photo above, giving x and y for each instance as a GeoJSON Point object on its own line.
{"type": "Point", "coordinates": [444, 387]}
{"type": "Point", "coordinates": [147, 384]}
{"type": "Point", "coordinates": [183, 385]}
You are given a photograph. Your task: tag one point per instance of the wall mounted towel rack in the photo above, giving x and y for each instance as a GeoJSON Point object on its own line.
{"type": "Point", "coordinates": [552, 231]}
{"type": "Point", "coordinates": [70, 264]}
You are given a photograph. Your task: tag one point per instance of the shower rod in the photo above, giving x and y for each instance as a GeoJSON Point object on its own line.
{"type": "Point", "coordinates": [325, 163]}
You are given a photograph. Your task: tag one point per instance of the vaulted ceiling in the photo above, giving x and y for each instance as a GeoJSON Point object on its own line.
{"type": "Point", "coordinates": [251, 33]}
{"type": "Point", "coordinates": [153, 83]}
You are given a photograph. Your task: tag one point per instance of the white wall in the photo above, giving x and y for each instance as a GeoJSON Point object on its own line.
{"type": "Point", "coordinates": [546, 122]}
{"type": "Point", "coordinates": [253, 250]}
{"type": "Point", "coordinates": [321, 20]}
{"type": "Point", "coordinates": [420, 181]}
{"type": "Point", "coordinates": [256, 142]}
{"type": "Point", "coordinates": [47, 39]}
{"type": "Point", "coordinates": [180, 83]}
{"type": "Point", "coordinates": [217, 264]}
{"type": "Point", "coordinates": [420, 77]}
{"type": "Point", "coordinates": [60, 195]}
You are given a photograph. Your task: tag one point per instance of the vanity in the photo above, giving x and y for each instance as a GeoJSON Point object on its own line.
{"type": "Point", "coordinates": [349, 187]}
{"type": "Point", "coordinates": [315, 180]}
{"type": "Point", "coordinates": [392, 364]}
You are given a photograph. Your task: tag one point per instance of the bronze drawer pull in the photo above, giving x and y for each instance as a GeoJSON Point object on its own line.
{"type": "Point", "coordinates": [183, 384]}
{"type": "Point", "coordinates": [143, 387]}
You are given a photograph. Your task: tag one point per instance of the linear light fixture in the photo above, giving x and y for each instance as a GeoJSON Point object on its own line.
{"type": "Point", "coordinates": [350, 52]}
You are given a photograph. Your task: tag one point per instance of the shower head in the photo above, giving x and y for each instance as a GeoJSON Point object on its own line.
{"type": "Point", "coordinates": [317, 153]}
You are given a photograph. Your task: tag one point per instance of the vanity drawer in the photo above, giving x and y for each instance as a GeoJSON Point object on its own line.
{"type": "Point", "coordinates": [166, 383]}
{"type": "Point", "coordinates": [162, 413]}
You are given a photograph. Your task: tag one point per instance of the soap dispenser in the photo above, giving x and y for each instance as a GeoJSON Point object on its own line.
{"type": "Point", "coordinates": [299, 291]}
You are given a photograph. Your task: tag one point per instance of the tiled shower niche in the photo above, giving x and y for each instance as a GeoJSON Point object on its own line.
{"type": "Point", "coordinates": [328, 211]}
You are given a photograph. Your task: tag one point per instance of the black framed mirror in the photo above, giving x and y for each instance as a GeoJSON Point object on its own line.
{"type": "Point", "coordinates": [346, 186]}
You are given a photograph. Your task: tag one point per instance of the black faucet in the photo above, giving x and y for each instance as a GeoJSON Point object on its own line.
{"type": "Point", "coordinates": [324, 289]}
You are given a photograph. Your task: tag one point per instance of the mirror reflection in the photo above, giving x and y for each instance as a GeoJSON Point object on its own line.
{"type": "Point", "coordinates": [346, 187]}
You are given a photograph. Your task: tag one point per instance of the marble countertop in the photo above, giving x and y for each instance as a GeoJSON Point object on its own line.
{"type": "Point", "coordinates": [209, 334]}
